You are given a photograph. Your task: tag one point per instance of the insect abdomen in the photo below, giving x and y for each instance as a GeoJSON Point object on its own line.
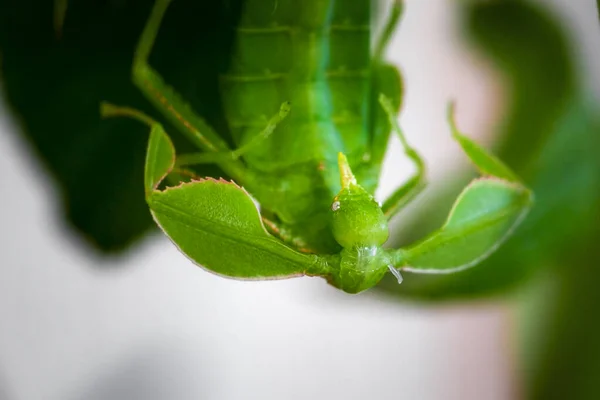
{"type": "Point", "coordinates": [313, 53]}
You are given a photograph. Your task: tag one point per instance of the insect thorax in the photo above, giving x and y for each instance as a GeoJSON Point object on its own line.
{"type": "Point", "coordinates": [314, 54]}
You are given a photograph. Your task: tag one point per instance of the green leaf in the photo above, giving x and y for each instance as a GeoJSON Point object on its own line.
{"type": "Point", "coordinates": [530, 48]}
{"type": "Point", "coordinates": [546, 137]}
{"type": "Point", "coordinates": [563, 237]}
{"type": "Point", "coordinates": [217, 225]}
{"type": "Point", "coordinates": [487, 163]}
{"type": "Point", "coordinates": [160, 158]}
{"type": "Point", "coordinates": [564, 345]}
{"type": "Point", "coordinates": [481, 219]}
{"type": "Point", "coordinates": [55, 83]}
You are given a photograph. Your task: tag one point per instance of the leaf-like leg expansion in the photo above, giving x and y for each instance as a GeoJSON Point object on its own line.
{"type": "Point", "coordinates": [216, 224]}
{"type": "Point", "coordinates": [487, 163]}
{"type": "Point", "coordinates": [160, 157]}
{"type": "Point", "coordinates": [417, 183]}
{"type": "Point", "coordinates": [169, 102]}
{"type": "Point", "coordinates": [483, 216]}
{"type": "Point", "coordinates": [210, 158]}
{"type": "Point", "coordinates": [179, 175]}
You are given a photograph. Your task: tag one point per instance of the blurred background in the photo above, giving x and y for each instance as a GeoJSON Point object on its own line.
{"type": "Point", "coordinates": [95, 304]}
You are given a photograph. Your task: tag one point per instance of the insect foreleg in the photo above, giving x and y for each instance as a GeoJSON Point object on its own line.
{"type": "Point", "coordinates": [170, 103]}
{"type": "Point", "coordinates": [210, 158]}
{"type": "Point", "coordinates": [111, 110]}
{"type": "Point", "coordinates": [404, 194]}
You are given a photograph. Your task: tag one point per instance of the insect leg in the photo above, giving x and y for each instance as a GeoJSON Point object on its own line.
{"type": "Point", "coordinates": [170, 103]}
{"type": "Point", "coordinates": [160, 156]}
{"type": "Point", "coordinates": [388, 29]}
{"type": "Point", "coordinates": [209, 158]}
{"type": "Point", "coordinates": [282, 233]}
{"type": "Point", "coordinates": [417, 183]}
{"type": "Point", "coordinates": [386, 79]}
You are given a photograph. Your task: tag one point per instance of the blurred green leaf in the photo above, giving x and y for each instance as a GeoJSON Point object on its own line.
{"type": "Point", "coordinates": [566, 183]}
{"type": "Point", "coordinates": [531, 49]}
{"type": "Point", "coordinates": [55, 83]}
{"type": "Point", "coordinates": [548, 138]}
{"type": "Point", "coordinates": [564, 348]}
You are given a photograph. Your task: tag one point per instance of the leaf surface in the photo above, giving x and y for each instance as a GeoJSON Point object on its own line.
{"type": "Point", "coordinates": [486, 163]}
{"type": "Point", "coordinates": [160, 158]}
{"type": "Point", "coordinates": [217, 225]}
{"type": "Point", "coordinates": [55, 83]}
{"type": "Point", "coordinates": [482, 217]}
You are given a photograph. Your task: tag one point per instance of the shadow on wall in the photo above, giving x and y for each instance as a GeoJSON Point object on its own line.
{"type": "Point", "coordinates": [154, 372]}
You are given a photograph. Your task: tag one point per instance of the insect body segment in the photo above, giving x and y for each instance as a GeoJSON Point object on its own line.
{"type": "Point", "coordinates": [357, 218]}
{"type": "Point", "coordinates": [317, 215]}
{"type": "Point", "coordinates": [314, 54]}
{"type": "Point", "coordinates": [361, 228]}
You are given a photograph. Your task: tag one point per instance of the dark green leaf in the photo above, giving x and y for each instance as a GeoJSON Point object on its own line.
{"type": "Point", "coordinates": [530, 48]}
{"type": "Point", "coordinates": [55, 83]}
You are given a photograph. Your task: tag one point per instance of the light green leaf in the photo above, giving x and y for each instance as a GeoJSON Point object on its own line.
{"type": "Point", "coordinates": [216, 224]}
{"type": "Point", "coordinates": [483, 216]}
{"type": "Point", "coordinates": [487, 163]}
{"type": "Point", "coordinates": [160, 158]}
{"type": "Point", "coordinates": [545, 135]}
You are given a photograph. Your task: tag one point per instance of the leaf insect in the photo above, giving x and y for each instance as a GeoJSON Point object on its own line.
{"type": "Point", "coordinates": [313, 166]}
